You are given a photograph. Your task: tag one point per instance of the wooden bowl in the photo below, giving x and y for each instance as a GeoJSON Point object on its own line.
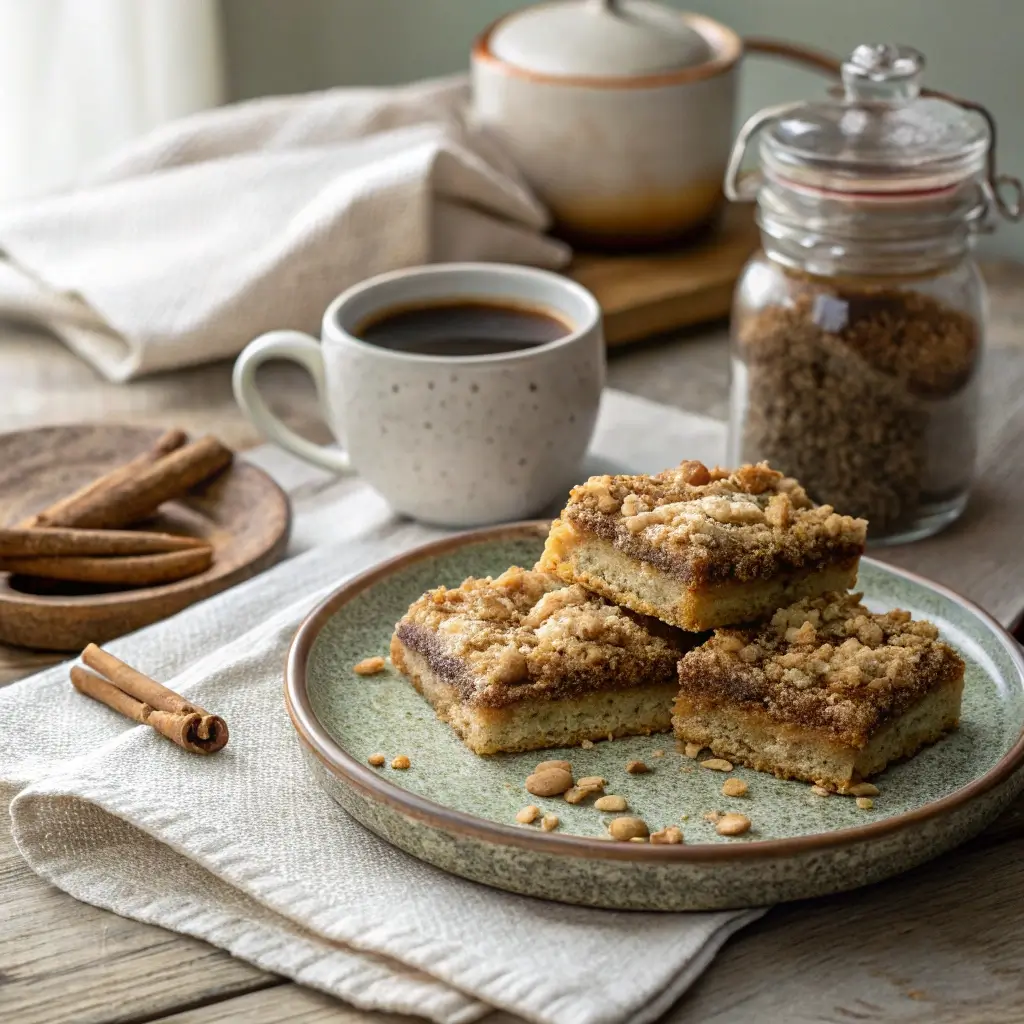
{"type": "Point", "coordinates": [242, 513]}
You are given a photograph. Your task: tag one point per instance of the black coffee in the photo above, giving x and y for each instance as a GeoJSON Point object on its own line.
{"type": "Point", "coordinates": [462, 329]}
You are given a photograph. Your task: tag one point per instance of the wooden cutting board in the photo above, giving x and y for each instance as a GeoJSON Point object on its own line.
{"type": "Point", "coordinates": [651, 293]}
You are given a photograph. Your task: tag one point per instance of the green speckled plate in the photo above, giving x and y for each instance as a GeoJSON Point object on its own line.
{"type": "Point", "coordinates": [457, 810]}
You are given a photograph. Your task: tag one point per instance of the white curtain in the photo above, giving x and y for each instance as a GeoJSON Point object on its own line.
{"type": "Point", "coordinates": [80, 77]}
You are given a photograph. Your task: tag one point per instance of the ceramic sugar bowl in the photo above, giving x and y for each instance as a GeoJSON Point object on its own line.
{"type": "Point", "coordinates": [619, 113]}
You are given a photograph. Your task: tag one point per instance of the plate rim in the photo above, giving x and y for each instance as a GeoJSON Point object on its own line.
{"type": "Point", "coordinates": [317, 740]}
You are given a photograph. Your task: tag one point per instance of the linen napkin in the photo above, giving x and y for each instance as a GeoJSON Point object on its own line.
{"type": "Point", "coordinates": [244, 850]}
{"type": "Point", "coordinates": [252, 217]}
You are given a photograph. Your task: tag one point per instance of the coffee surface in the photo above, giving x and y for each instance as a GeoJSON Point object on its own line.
{"type": "Point", "coordinates": [462, 329]}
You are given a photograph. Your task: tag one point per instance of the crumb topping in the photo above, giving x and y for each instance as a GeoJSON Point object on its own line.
{"type": "Point", "coordinates": [526, 634]}
{"type": "Point", "coordinates": [732, 824]}
{"type": "Point", "coordinates": [369, 666]}
{"type": "Point", "coordinates": [825, 663]}
{"type": "Point", "coordinates": [711, 524]}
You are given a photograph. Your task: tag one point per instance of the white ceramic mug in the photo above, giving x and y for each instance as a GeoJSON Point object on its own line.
{"type": "Point", "coordinates": [450, 440]}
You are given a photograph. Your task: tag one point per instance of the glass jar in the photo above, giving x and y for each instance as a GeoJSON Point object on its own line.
{"type": "Point", "coordinates": [858, 329]}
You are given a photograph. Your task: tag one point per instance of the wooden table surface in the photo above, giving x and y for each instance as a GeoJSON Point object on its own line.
{"type": "Point", "coordinates": [943, 943]}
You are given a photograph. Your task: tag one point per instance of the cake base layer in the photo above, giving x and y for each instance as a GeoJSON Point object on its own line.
{"type": "Point", "coordinates": [603, 569]}
{"type": "Point", "coordinates": [537, 724]}
{"type": "Point", "coordinates": [793, 752]}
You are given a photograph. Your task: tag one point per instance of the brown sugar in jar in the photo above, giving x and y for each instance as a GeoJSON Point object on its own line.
{"type": "Point", "coordinates": [858, 329]}
{"type": "Point", "coordinates": [865, 394]}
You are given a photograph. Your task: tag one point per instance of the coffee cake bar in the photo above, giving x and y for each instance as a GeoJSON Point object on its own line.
{"type": "Point", "coordinates": [701, 548]}
{"type": "Point", "coordinates": [826, 691]}
{"type": "Point", "coordinates": [523, 662]}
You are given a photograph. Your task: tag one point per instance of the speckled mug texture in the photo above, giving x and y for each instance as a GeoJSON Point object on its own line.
{"type": "Point", "coordinates": [463, 441]}
{"type": "Point", "coordinates": [469, 826]}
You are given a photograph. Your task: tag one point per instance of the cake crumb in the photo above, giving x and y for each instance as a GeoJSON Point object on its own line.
{"type": "Point", "coordinates": [577, 794]}
{"type": "Point", "coordinates": [820, 790]}
{"type": "Point", "coordinates": [528, 814]}
{"type": "Point", "coordinates": [401, 762]}
{"type": "Point", "coordinates": [587, 786]}
{"type": "Point", "coordinates": [549, 822]}
{"type": "Point", "coordinates": [717, 764]}
{"type": "Point", "coordinates": [712, 816]}
{"type": "Point", "coordinates": [734, 787]}
{"type": "Point", "coordinates": [692, 749]}
{"type": "Point", "coordinates": [625, 829]}
{"type": "Point", "coordinates": [549, 782]}
{"type": "Point", "coordinates": [732, 825]}
{"type": "Point", "coordinates": [587, 744]}
{"type": "Point", "coordinates": [636, 768]}
{"type": "Point", "coordinates": [668, 836]}
{"type": "Point", "coordinates": [376, 760]}
{"type": "Point", "coordinates": [863, 789]}
{"type": "Point", "coordinates": [369, 666]}
{"type": "Point", "coordinates": [865, 803]}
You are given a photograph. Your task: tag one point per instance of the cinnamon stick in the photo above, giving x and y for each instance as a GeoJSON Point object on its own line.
{"type": "Point", "coordinates": [187, 724]}
{"type": "Point", "coordinates": [66, 541]}
{"type": "Point", "coordinates": [65, 511]}
{"type": "Point", "coordinates": [142, 494]}
{"type": "Point", "coordinates": [126, 497]}
{"type": "Point", "coordinates": [180, 729]}
{"type": "Point", "coordinates": [134, 683]}
{"type": "Point", "coordinates": [128, 571]}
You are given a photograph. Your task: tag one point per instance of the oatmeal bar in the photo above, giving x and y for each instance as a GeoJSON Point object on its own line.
{"type": "Point", "coordinates": [826, 691]}
{"type": "Point", "coordinates": [523, 662]}
{"type": "Point", "coordinates": [701, 548]}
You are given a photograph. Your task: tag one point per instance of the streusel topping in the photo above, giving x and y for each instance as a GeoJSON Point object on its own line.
{"type": "Point", "coordinates": [712, 524]}
{"type": "Point", "coordinates": [826, 663]}
{"type": "Point", "coordinates": [526, 633]}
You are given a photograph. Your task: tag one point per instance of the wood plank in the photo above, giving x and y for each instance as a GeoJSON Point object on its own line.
{"type": "Point", "coordinates": [290, 1003]}
{"type": "Point", "coordinates": [939, 945]}
{"type": "Point", "coordinates": [16, 663]}
{"type": "Point", "coordinates": [61, 960]}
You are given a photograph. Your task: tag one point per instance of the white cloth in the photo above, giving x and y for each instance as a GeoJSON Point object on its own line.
{"type": "Point", "coordinates": [253, 217]}
{"type": "Point", "coordinates": [245, 851]}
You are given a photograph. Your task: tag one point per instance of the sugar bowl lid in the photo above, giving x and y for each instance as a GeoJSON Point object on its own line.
{"type": "Point", "coordinates": [608, 39]}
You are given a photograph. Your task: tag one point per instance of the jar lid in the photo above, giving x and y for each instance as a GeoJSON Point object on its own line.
{"type": "Point", "coordinates": [880, 135]}
{"type": "Point", "coordinates": [601, 38]}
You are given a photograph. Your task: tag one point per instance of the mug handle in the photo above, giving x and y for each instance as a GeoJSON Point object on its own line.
{"type": "Point", "coordinates": [302, 349]}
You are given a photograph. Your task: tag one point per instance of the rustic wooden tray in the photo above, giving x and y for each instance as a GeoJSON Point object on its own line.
{"type": "Point", "coordinates": [242, 513]}
{"type": "Point", "coordinates": [643, 294]}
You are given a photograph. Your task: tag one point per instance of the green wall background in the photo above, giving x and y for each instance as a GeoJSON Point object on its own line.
{"type": "Point", "coordinates": [973, 49]}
